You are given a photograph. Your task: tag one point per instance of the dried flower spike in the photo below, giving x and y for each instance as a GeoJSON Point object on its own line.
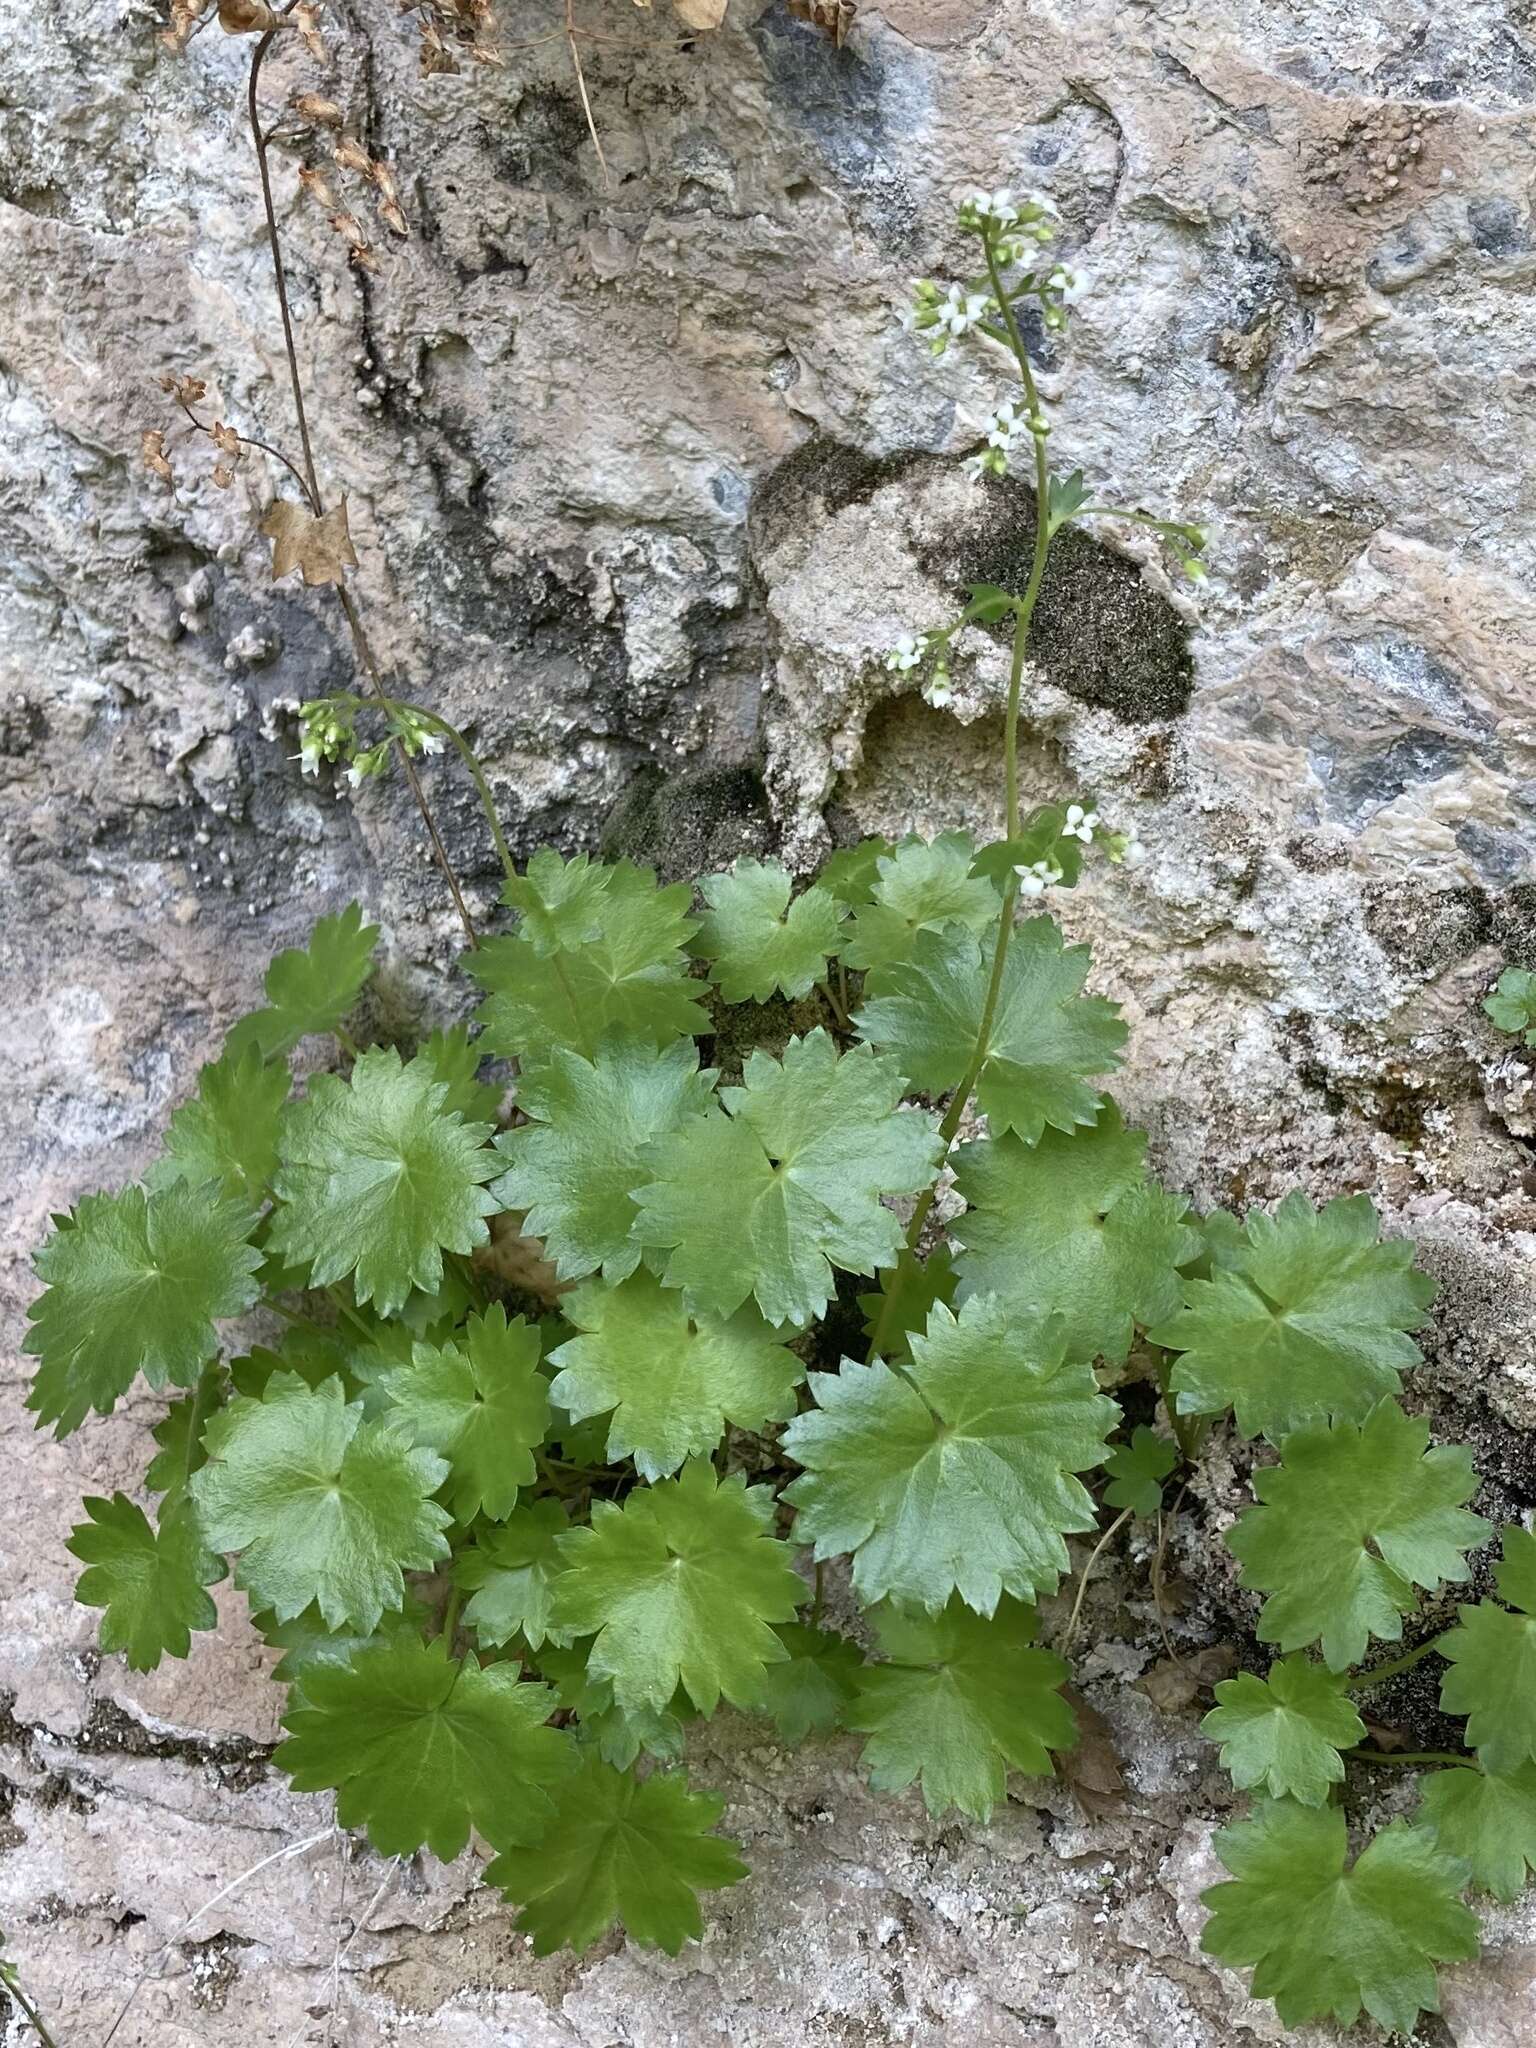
{"type": "Point", "coordinates": [318, 186]}
{"type": "Point", "coordinates": [350, 155]}
{"type": "Point", "coordinates": [152, 453]}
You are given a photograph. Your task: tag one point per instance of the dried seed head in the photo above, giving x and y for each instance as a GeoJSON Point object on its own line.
{"type": "Point", "coordinates": [185, 16]}
{"type": "Point", "coordinates": [187, 391]}
{"type": "Point", "coordinates": [350, 154]}
{"type": "Point", "coordinates": [391, 215]}
{"type": "Point", "coordinates": [363, 256]}
{"type": "Point", "coordinates": [152, 454]}
{"type": "Point", "coordinates": [247, 17]}
{"type": "Point", "coordinates": [306, 19]}
{"type": "Point", "coordinates": [223, 475]}
{"type": "Point", "coordinates": [384, 178]}
{"type": "Point", "coordinates": [318, 186]}
{"type": "Point", "coordinates": [314, 106]}
{"type": "Point", "coordinates": [350, 229]}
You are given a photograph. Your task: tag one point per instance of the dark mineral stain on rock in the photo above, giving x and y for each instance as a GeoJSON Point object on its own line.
{"type": "Point", "coordinates": [1101, 632]}
{"type": "Point", "coordinates": [689, 824]}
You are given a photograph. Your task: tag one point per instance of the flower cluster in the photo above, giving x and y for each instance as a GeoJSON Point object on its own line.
{"type": "Point", "coordinates": [942, 315]}
{"type": "Point", "coordinates": [328, 732]}
{"type": "Point", "coordinates": [912, 651]}
{"type": "Point", "coordinates": [1002, 431]}
{"type": "Point", "coordinates": [1015, 227]}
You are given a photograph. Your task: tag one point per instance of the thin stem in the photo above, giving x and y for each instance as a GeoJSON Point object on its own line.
{"type": "Point", "coordinates": [1363, 1680]}
{"type": "Point", "coordinates": [251, 441]}
{"type": "Point", "coordinates": [1087, 1574]}
{"type": "Point", "coordinates": [451, 1616]}
{"type": "Point", "coordinates": [839, 1013]}
{"type": "Point", "coordinates": [347, 1043]}
{"type": "Point", "coordinates": [842, 988]}
{"type": "Point", "coordinates": [348, 1313]}
{"type": "Point", "coordinates": [296, 384]}
{"type": "Point", "coordinates": [1183, 1435]}
{"type": "Point", "coordinates": [1024, 613]}
{"type": "Point", "coordinates": [12, 1989]}
{"type": "Point", "coordinates": [571, 33]}
{"type": "Point", "coordinates": [435, 721]}
{"type": "Point", "coordinates": [1412, 1756]}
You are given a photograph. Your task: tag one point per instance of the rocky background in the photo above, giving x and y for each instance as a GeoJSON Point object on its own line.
{"type": "Point", "coordinates": [645, 477]}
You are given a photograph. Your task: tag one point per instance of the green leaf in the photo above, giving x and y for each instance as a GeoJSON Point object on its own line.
{"type": "Point", "coordinates": [1512, 1006]}
{"type": "Point", "coordinates": [920, 887]}
{"type": "Point", "coordinates": [510, 1572]}
{"type": "Point", "coordinates": [1493, 1655]}
{"type": "Point", "coordinates": [620, 1850]}
{"type": "Point", "coordinates": [954, 1475]}
{"type": "Point", "coordinates": [759, 941]}
{"type": "Point", "coordinates": [480, 1402]}
{"type": "Point", "coordinates": [619, 1735]}
{"type": "Point", "coordinates": [1137, 1471]}
{"type": "Point", "coordinates": [679, 1586]}
{"type": "Point", "coordinates": [1045, 1038]}
{"type": "Point", "coordinates": [1066, 498]}
{"type": "Point", "coordinates": [1284, 1732]}
{"type": "Point", "coordinates": [630, 981]}
{"type": "Point", "coordinates": [1326, 1940]}
{"type": "Point", "coordinates": [766, 1196]}
{"type": "Point", "coordinates": [421, 1748]}
{"type": "Point", "coordinates": [850, 872]}
{"type": "Point", "coordinates": [1070, 1226]}
{"type": "Point", "coordinates": [1354, 1518]}
{"type": "Point", "coordinates": [307, 1644]}
{"type": "Point", "coordinates": [811, 1691]}
{"type": "Point", "coordinates": [179, 1433]}
{"type": "Point", "coordinates": [962, 1700]}
{"type": "Point", "coordinates": [671, 1381]}
{"type": "Point", "coordinates": [1306, 1322]}
{"type": "Point", "coordinates": [135, 1283]}
{"type": "Point", "coordinates": [561, 902]}
{"type": "Point", "coordinates": [228, 1132]}
{"type": "Point", "coordinates": [988, 603]}
{"type": "Point", "coordinates": [377, 1180]}
{"type": "Point", "coordinates": [454, 1059]}
{"type": "Point", "coordinates": [310, 989]}
{"type": "Point", "coordinates": [573, 1168]}
{"type": "Point", "coordinates": [1487, 1820]}
{"type": "Point", "coordinates": [911, 1287]}
{"type": "Point", "coordinates": [150, 1581]}
{"type": "Point", "coordinates": [321, 1505]}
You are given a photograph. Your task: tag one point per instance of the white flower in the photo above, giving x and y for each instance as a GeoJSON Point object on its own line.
{"type": "Point", "coordinates": [1080, 824]}
{"type": "Point", "coordinates": [1135, 854]}
{"type": "Point", "coordinates": [431, 742]}
{"type": "Point", "coordinates": [1070, 286]}
{"type": "Point", "coordinates": [1029, 884]}
{"type": "Point", "coordinates": [1004, 425]}
{"type": "Point", "coordinates": [907, 653]}
{"type": "Point", "coordinates": [958, 310]}
{"type": "Point", "coordinates": [355, 775]}
{"type": "Point", "coordinates": [976, 467]}
{"type": "Point", "coordinates": [309, 754]}
{"type": "Point", "coordinates": [938, 692]}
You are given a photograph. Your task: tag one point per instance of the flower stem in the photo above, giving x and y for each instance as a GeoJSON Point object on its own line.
{"type": "Point", "coordinates": [437, 723]}
{"type": "Point", "coordinates": [360, 643]}
{"type": "Point", "coordinates": [29, 2012]}
{"type": "Point", "coordinates": [1363, 1680]}
{"type": "Point", "coordinates": [1024, 612]}
{"type": "Point", "coordinates": [1412, 1756]}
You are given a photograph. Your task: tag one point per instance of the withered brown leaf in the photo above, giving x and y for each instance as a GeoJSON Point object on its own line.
{"type": "Point", "coordinates": [833, 17]}
{"type": "Point", "coordinates": [321, 547]}
{"type": "Point", "coordinates": [700, 14]}
{"type": "Point", "coordinates": [1091, 1767]}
